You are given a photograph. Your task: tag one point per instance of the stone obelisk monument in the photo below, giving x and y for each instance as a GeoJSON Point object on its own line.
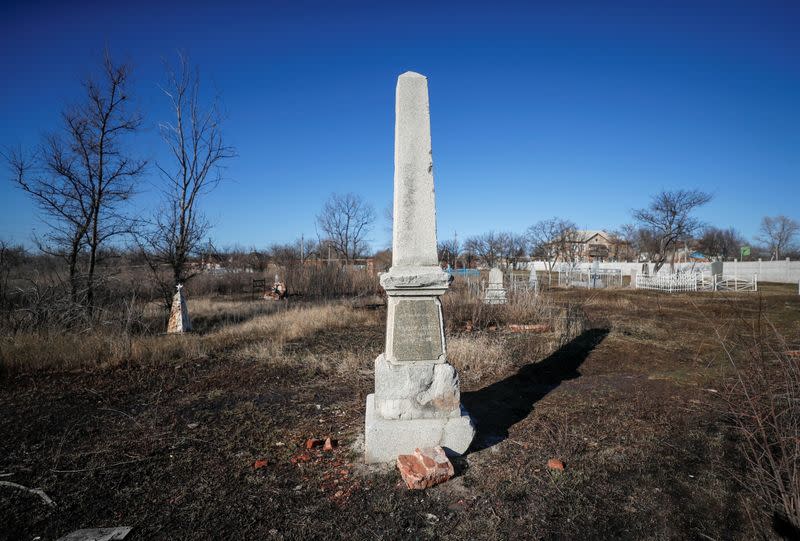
{"type": "Point", "coordinates": [179, 314]}
{"type": "Point", "coordinates": [417, 399]}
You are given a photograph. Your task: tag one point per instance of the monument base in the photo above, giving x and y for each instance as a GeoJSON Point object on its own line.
{"type": "Point", "coordinates": [384, 439]}
{"type": "Point", "coordinates": [495, 296]}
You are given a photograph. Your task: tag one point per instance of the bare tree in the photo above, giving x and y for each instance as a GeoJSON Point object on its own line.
{"type": "Point", "coordinates": [514, 248]}
{"type": "Point", "coordinates": [554, 239]}
{"type": "Point", "coordinates": [777, 233]}
{"type": "Point", "coordinates": [488, 247]}
{"type": "Point", "coordinates": [197, 152]}
{"type": "Point", "coordinates": [621, 248]}
{"type": "Point", "coordinates": [80, 176]}
{"type": "Point", "coordinates": [344, 222]}
{"type": "Point", "coordinates": [720, 243]}
{"type": "Point", "coordinates": [641, 240]}
{"type": "Point", "coordinates": [669, 217]}
{"type": "Point", "coordinates": [448, 251]}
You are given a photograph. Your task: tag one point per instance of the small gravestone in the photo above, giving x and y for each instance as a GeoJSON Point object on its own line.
{"type": "Point", "coordinates": [645, 269]}
{"type": "Point", "coordinates": [417, 399]}
{"type": "Point", "coordinates": [533, 281]}
{"type": "Point", "coordinates": [495, 292]}
{"type": "Point", "coordinates": [716, 273]}
{"type": "Point", "coordinates": [179, 321]}
{"type": "Point", "coordinates": [633, 278]}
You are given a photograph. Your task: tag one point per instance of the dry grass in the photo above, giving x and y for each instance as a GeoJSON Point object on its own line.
{"type": "Point", "coordinates": [260, 337]}
{"type": "Point", "coordinates": [478, 356]}
{"type": "Point", "coordinates": [763, 400]}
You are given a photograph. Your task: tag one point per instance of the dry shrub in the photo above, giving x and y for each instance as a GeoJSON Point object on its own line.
{"type": "Point", "coordinates": [764, 404]}
{"type": "Point", "coordinates": [462, 306]}
{"type": "Point", "coordinates": [476, 356]}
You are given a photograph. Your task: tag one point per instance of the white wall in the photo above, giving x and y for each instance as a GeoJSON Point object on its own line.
{"type": "Point", "coordinates": [768, 271]}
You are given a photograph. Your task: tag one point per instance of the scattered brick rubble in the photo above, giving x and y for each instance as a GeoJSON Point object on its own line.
{"type": "Point", "coordinates": [427, 467]}
{"type": "Point", "coordinates": [535, 328]}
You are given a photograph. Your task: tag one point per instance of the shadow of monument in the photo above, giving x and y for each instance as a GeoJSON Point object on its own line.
{"type": "Point", "coordinates": [499, 406]}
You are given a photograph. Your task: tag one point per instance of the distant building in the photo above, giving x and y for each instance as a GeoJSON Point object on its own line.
{"type": "Point", "coordinates": [597, 245]}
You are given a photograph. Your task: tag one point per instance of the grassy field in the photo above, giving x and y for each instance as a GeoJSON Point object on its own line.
{"type": "Point", "coordinates": [163, 433]}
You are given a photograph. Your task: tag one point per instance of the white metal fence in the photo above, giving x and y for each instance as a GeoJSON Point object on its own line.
{"type": "Point", "coordinates": [736, 283]}
{"type": "Point", "coordinates": [521, 283]}
{"type": "Point", "coordinates": [591, 278]}
{"type": "Point", "coordinates": [684, 281]}
{"type": "Point", "coordinates": [695, 281]}
{"type": "Point", "coordinates": [783, 271]}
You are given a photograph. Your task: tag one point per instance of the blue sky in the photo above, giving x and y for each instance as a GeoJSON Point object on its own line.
{"type": "Point", "coordinates": [573, 109]}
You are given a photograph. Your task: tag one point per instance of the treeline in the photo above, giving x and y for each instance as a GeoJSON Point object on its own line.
{"type": "Point", "coordinates": [659, 233]}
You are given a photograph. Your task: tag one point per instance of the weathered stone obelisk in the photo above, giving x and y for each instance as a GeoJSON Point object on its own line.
{"type": "Point", "coordinates": [179, 321]}
{"type": "Point", "coordinates": [417, 399]}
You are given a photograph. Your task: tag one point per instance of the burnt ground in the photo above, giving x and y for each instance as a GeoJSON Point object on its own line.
{"type": "Point", "coordinates": [631, 406]}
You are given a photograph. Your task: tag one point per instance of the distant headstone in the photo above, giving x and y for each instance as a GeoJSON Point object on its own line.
{"type": "Point", "coordinates": [633, 278]}
{"type": "Point", "coordinates": [179, 315]}
{"type": "Point", "coordinates": [533, 280]}
{"type": "Point", "coordinates": [495, 292]}
{"type": "Point", "coordinates": [645, 269]}
{"type": "Point", "coordinates": [716, 273]}
{"type": "Point", "coordinates": [417, 399]}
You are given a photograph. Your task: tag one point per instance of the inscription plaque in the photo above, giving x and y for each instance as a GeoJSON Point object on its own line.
{"type": "Point", "coordinates": [417, 330]}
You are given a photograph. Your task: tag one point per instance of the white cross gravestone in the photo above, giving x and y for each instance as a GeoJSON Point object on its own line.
{"type": "Point", "coordinates": [495, 292]}
{"type": "Point", "coordinates": [417, 398]}
{"type": "Point", "coordinates": [179, 315]}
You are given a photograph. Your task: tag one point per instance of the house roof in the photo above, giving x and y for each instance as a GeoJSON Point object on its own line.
{"type": "Point", "coordinates": [585, 235]}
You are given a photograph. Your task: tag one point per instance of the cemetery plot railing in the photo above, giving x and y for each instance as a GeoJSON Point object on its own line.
{"type": "Point", "coordinates": [520, 283]}
{"type": "Point", "coordinates": [671, 282]}
{"type": "Point", "coordinates": [472, 282]}
{"type": "Point", "coordinates": [736, 283]}
{"type": "Point", "coordinates": [589, 278]}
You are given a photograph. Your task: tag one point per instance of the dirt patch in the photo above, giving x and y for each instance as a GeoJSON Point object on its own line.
{"type": "Point", "coordinates": [171, 449]}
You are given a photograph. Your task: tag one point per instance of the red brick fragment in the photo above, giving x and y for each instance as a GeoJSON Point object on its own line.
{"type": "Point", "coordinates": [313, 442]}
{"type": "Point", "coordinates": [535, 328]}
{"type": "Point", "coordinates": [427, 467]}
{"type": "Point", "coordinates": [555, 464]}
{"type": "Point", "coordinates": [303, 457]}
{"type": "Point", "coordinates": [260, 463]}
{"type": "Point", "coordinates": [329, 444]}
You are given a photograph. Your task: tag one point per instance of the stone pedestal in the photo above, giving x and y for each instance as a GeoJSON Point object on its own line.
{"type": "Point", "coordinates": [385, 439]}
{"type": "Point", "coordinates": [417, 398]}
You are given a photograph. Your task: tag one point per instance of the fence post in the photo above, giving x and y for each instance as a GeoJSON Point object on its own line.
{"type": "Point", "coordinates": [787, 269]}
{"type": "Point", "coordinates": [755, 282]}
